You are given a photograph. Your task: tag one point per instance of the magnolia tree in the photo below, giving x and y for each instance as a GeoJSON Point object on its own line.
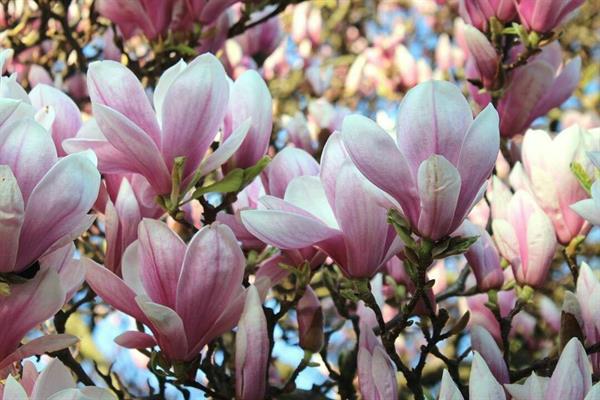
{"type": "Point", "coordinates": [299, 199]}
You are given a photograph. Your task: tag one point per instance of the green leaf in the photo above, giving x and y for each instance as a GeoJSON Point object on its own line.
{"type": "Point", "coordinates": [456, 245]}
{"type": "Point", "coordinates": [401, 226]}
{"type": "Point", "coordinates": [232, 182]}
{"type": "Point", "coordinates": [580, 173]}
{"type": "Point", "coordinates": [255, 170]}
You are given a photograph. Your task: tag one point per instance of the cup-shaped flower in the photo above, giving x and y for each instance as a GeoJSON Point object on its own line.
{"type": "Point", "coordinates": [544, 17]}
{"type": "Point", "coordinates": [479, 12]}
{"type": "Point", "coordinates": [376, 372]}
{"type": "Point", "coordinates": [337, 212]}
{"type": "Point", "coordinates": [251, 350]}
{"type": "Point", "coordinates": [483, 257]}
{"type": "Point", "coordinates": [533, 89]}
{"type": "Point", "coordinates": [135, 138]}
{"type": "Point", "coordinates": [437, 167]}
{"type": "Point", "coordinates": [185, 295]}
{"type": "Point", "coordinates": [55, 382]}
{"type": "Point", "coordinates": [588, 295]}
{"type": "Point", "coordinates": [553, 183]}
{"type": "Point", "coordinates": [526, 238]}
{"type": "Point", "coordinates": [44, 200]}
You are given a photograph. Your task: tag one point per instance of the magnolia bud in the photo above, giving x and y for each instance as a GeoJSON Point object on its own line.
{"type": "Point", "coordinates": [310, 321]}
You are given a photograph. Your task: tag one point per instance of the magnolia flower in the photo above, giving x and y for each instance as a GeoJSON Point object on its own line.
{"type": "Point", "coordinates": [186, 295]}
{"type": "Point", "coordinates": [483, 343]}
{"type": "Point", "coordinates": [571, 379]}
{"type": "Point", "coordinates": [251, 350]}
{"type": "Point", "coordinates": [547, 166]}
{"type": "Point", "coordinates": [532, 90]}
{"type": "Point", "coordinates": [482, 384]}
{"type": "Point", "coordinates": [376, 372]}
{"type": "Point", "coordinates": [482, 54]}
{"type": "Point", "coordinates": [135, 138]}
{"type": "Point", "coordinates": [525, 237]}
{"type": "Point", "coordinates": [479, 12]}
{"type": "Point", "coordinates": [55, 382]}
{"type": "Point", "coordinates": [545, 17]}
{"type": "Point", "coordinates": [588, 295]}
{"type": "Point", "coordinates": [262, 39]}
{"type": "Point", "coordinates": [437, 168]}
{"type": "Point", "coordinates": [483, 257]}
{"type": "Point", "coordinates": [310, 321]}
{"type": "Point", "coordinates": [44, 200]}
{"type": "Point", "coordinates": [337, 212]}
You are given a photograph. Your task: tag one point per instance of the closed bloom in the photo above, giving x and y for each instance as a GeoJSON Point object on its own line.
{"type": "Point", "coordinates": [337, 212]}
{"type": "Point", "coordinates": [526, 239]}
{"type": "Point", "coordinates": [588, 295]}
{"type": "Point", "coordinates": [547, 163]}
{"type": "Point", "coordinates": [135, 138]}
{"type": "Point", "coordinates": [483, 257]}
{"type": "Point", "coordinates": [55, 382]}
{"type": "Point", "coordinates": [186, 295]}
{"type": "Point", "coordinates": [310, 321]}
{"type": "Point", "coordinates": [544, 17]}
{"type": "Point", "coordinates": [482, 54]}
{"type": "Point", "coordinates": [478, 12]}
{"type": "Point", "coordinates": [533, 89]}
{"type": "Point", "coordinates": [44, 200]}
{"type": "Point", "coordinates": [437, 168]}
{"type": "Point", "coordinates": [376, 372]}
{"type": "Point", "coordinates": [251, 350]}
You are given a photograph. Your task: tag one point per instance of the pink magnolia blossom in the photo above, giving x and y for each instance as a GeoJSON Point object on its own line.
{"type": "Point", "coordinates": [55, 382]}
{"type": "Point", "coordinates": [545, 16]}
{"type": "Point", "coordinates": [376, 372]}
{"type": "Point", "coordinates": [135, 138]}
{"type": "Point", "coordinates": [482, 383]}
{"type": "Point", "coordinates": [337, 212]}
{"type": "Point", "coordinates": [478, 12]}
{"type": "Point", "coordinates": [310, 321]}
{"type": "Point", "coordinates": [251, 350]}
{"type": "Point", "coordinates": [262, 39]}
{"type": "Point", "coordinates": [483, 343]}
{"type": "Point", "coordinates": [571, 379]}
{"type": "Point", "coordinates": [483, 257]}
{"type": "Point", "coordinates": [532, 90]}
{"type": "Point", "coordinates": [547, 165]}
{"type": "Point", "coordinates": [482, 54]}
{"type": "Point", "coordinates": [36, 184]}
{"type": "Point", "coordinates": [588, 294]}
{"type": "Point", "coordinates": [526, 238]}
{"type": "Point", "coordinates": [186, 295]}
{"type": "Point", "coordinates": [42, 296]}
{"type": "Point", "coordinates": [437, 168]}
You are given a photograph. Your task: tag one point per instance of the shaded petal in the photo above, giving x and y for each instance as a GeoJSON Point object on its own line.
{"type": "Point", "coordinates": [482, 384]}
{"type": "Point", "coordinates": [66, 192]}
{"type": "Point", "coordinates": [114, 86]}
{"type": "Point", "coordinates": [439, 187]}
{"type": "Point", "coordinates": [12, 214]}
{"type": "Point", "coordinates": [213, 254]}
{"type": "Point", "coordinates": [53, 378]}
{"type": "Point", "coordinates": [288, 164]}
{"type": "Point", "coordinates": [135, 340]}
{"type": "Point", "coordinates": [226, 149]}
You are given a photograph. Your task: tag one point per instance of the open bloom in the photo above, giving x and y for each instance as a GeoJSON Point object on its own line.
{"type": "Point", "coordinates": [190, 105]}
{"type": "Point", "coordinates": [44, 200]}
{"type": "Point", "coordinates": [437, 167]}
{"type": "Point", "coordinates": [55, 382]}
{"type": "Point", "coordinates": [547, 164]}
{"type": "Point", "coordinates": [533, 89]}
{"type": "Point", "coordinates": [186, 295]}
{"type": "Point", "coordinates": [545, 16]}
{"type": "Point", "coordinates": [336, 212]}
{"type": "Point", "coordinates": [525, 237]}
{"type": "Point", "coordinates": [376, 372]}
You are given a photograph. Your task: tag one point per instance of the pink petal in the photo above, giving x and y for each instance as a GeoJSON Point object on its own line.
{"type": "Point", "coordinates": [11, 218]}
{"type": "Point", "coordinates": [288, 164]}
{"type": "Point", "coordinates": [135, 340]}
